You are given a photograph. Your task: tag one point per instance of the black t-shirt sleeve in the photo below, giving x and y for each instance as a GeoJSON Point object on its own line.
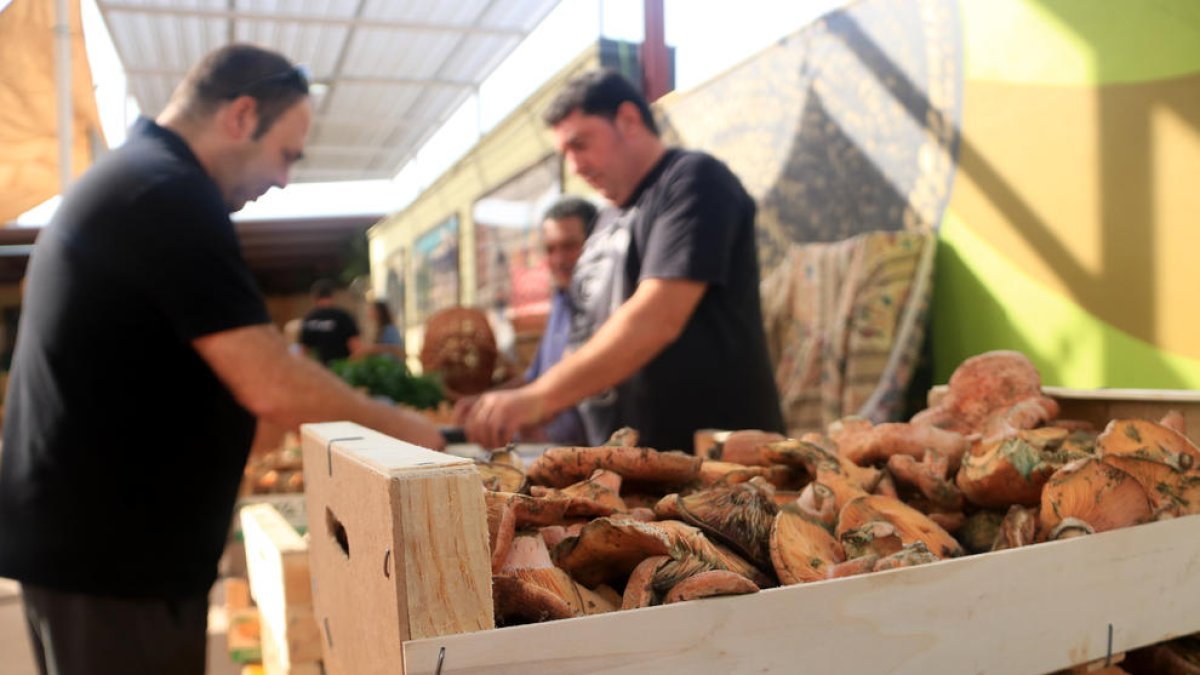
{"type": "Point", "coordinates": [351, 327]}
{"type": "Point", "coordinates": [692, 236]}
{"type": "Point", "coordinates": [190, 263]}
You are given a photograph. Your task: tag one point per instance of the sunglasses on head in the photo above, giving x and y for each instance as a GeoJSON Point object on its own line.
{"type": "Point", "coordinates": [296, 77]}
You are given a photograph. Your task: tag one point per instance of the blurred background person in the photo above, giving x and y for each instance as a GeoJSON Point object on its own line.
{"type": "Point", "coordinates": [388, 339]}
{"type": "Point", "coordinates": [565, 227]}
{"type": "Point", "coordinates": [328, 332]}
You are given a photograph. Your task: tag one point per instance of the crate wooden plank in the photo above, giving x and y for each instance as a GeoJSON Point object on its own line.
{"type": "Point", "coordinates": [1029, 610]}
{"type": "Point", "coordinates": [277, 561]}
{"type": "Point", "coordinates": [1098, 406]}
{"type": "Point", "coordinates": [398, 545]}
{"type": "Point", "coordinates": [275, 661]}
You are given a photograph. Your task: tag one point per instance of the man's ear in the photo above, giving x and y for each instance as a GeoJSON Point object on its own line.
{"type": "Point", "coordinates": [239, 118]}
{"type": "Point", "coordinates": [628, 116]}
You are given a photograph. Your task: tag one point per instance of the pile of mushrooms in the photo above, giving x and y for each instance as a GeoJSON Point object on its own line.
{"type": "Point", "coordinates": [988, 466]}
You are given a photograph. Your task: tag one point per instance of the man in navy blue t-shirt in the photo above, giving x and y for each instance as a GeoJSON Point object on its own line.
{"type": "Point", "coordinates": [668, 322]}
{"type": "Point", "coordinates": [145, 355]}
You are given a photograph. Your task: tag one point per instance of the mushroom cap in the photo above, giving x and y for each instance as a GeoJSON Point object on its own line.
{"type": "Point", "coordinates": [716, 472]}
{"type": "Point", "coordinates": [502, 527]}
{"type": "Point", "coordinates": [853, 567]}
{"type": "Point", "coordinates": [802, 549]}
{"type": "Point", "coordinates": [978, 533]}
{"type": "Point", "coordinates": [1019, 528]}
{"type": "Point", "coordinates": [516, 601]}
{"type": "Point", "coordinates": [501, 477]}
{"type": "Point", "coordinates": [608, 549]}
{"type": "Point", "coordinates": [709, 584]}
{"type": "Point", "coordinates": [1160, 458]}
{"type": "Point", "coordinates": [1096, 493]}
{"type": "Point", "coordinates": [745, 447]}
{"type": "Point", "coordinates": [559, 467]}
{"type": "Point", "coordinates": [876, 537]}
{"type": "Point", "coordinates": [639, 589]}
{"type": "Point", "coordinates": [814, 457]}
{"type": "Point", "coordinates": [991, 381]}
{"type": "Point", "coordinates": [531, 511]}
{"type": "Point", "coordinates": [1148, 440]}
{"type": "Point", "coordinates": [739, 516]}
{"type": "Point", "coordinates": [910, 524]}
{"type": "Point", "coordinates": [507, 455]}
{"type": "Point", "coordinates": [1001, 473]}
{"type": "Point", "coordinates": [910, 556]}
{"type": "Point", "coordinates": [596, 496]}
{"type": "Point", "coordinates": [626, 437]}
{"type": "Point", "coordinates": [865, 445]}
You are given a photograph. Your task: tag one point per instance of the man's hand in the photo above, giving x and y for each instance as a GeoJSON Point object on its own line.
{"type": "Point", "coordinates": [496, 418]}
{"type": "Point", "coordinates": [462, 408]}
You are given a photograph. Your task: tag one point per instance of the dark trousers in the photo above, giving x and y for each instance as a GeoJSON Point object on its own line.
{"type": "Point", "coordinates": [73, 633]}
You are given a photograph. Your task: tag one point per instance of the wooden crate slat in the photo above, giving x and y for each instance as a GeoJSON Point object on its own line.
{"type": "Point", "coordinates": [1028, 610]}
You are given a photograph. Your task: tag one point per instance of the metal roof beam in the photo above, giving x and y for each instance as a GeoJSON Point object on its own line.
{"type": "Point", "coordinates": [352, 79]}
{"type": "Point", "coordinates": [284, 17]}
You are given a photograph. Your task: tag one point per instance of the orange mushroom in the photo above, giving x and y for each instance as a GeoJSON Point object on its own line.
{"type": "Point", "coordinates": [1018, 528]}
{"type": "Point", "coordinates": [1094, 493]}
{"type": "Point", "coordinates": [910, 556]}
{"type": "Point", "coordinates": [744, 447]}
{"type": "Point", "coordinates": [559, 467]}
{"type": "Point", "coordinates": [863, 443]}
{"type": "Point", "coordinates": [801, 548]}
{"type": "Point", "coordinates": [639, 589]}
{"type": "Point", "coordinates": [596, 496]}
{"type": "Point", "coordinates": [739, 516]}
{"type": "Point", "coordinates": [929, 477]}
{"type": "Point", "coordinates": [910, 524]}
{"type": "Point", "coordinates": [709, 584]}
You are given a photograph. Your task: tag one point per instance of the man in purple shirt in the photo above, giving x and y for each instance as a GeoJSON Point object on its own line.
{"type": "Point", "coordinates": [565, 227]}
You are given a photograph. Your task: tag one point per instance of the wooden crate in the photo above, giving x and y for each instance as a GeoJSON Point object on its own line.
{"type": "Point", "coordinates": [398, 545]}
{"type": "Point", "coordinates": [280, 582]}
{"type": "Point", "coordinates": [1035, 609]}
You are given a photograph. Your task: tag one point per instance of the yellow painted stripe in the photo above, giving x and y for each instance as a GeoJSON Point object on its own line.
{"type": "Point", "coordinates": [1080, 42]}
{"type": "Point", "coordinates": [983, 301]}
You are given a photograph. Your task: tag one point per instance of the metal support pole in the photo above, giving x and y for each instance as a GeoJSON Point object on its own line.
{"type": "Point", "coordinates": [656, 69]}
{"type": "Point", "coordinates": [62, 62]}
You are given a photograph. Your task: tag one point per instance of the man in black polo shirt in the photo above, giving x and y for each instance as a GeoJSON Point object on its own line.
{"type": "Point", "coordinates": [328, 331]}
{"type": "Point", "coordinates": [668, 336]}
{"type": "Point", "coordinates": [145, 354]}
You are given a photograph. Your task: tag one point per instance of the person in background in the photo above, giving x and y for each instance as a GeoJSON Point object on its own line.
{"type": "Point", "coordinates": [387, 336]}
{"type": "Point", "coordinates": [565, 227]}
{"type": "Point", "coordinates": [668, 332]}
{"type": "Point", "coordinates": [146, 355]}
{"type": "Point", "coordinates": [328, 331]}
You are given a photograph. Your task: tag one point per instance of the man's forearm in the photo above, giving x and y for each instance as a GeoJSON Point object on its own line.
{"type": "Point", "coordinates": [289, 390]}
{"type": "Point", "coordinates": [637, 332]}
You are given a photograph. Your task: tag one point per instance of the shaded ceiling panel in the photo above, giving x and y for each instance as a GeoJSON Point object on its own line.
{"type": "Point", "coordinates": [477, 54]}
{"type": "Point", "coordinates": [521, 15]}
{"type": "Point", "coordinates": [393, 70]}
{"type": "Point", "coordinates": [378, 52]}
{"type": "Point", "coordinates": [375, 103]}
{"type": "Point", "coordinates": [461, 13]}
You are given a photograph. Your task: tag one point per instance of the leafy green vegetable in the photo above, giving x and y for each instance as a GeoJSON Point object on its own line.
{"type": "Point", "coordinates": [383, 375]}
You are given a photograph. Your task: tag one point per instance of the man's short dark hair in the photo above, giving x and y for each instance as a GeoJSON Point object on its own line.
{"type": "Point", "coordinates": [323, 288]}
{"type": "Point", "coordinates": [599, 92]}
{"type": "Point", "coordinates": [242, 70]}
{"type": "Point", "coordinates": [574, 207]}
